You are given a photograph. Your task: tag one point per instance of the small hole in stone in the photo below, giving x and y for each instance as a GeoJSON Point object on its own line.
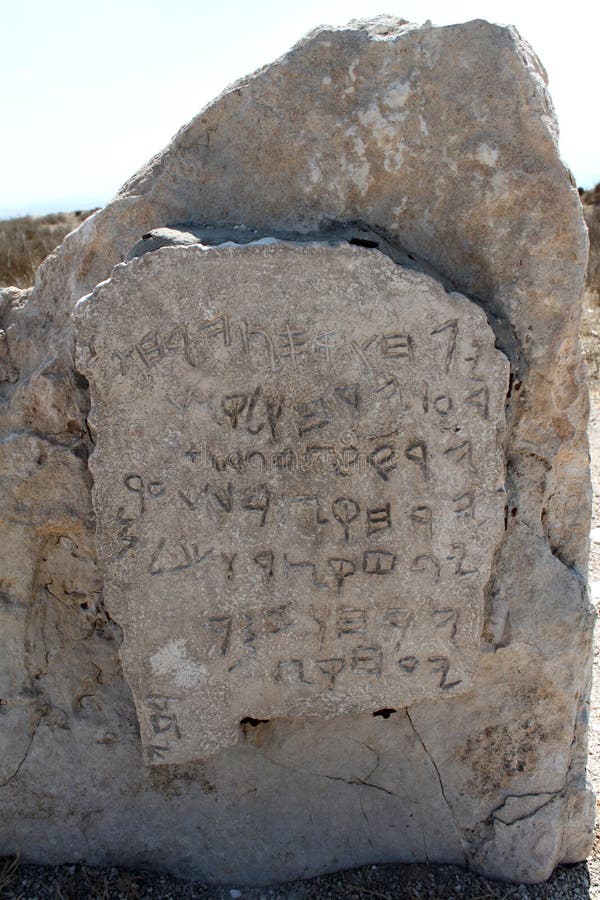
{"type": "Point", "coordinates": [146, 236]}
{"type": "Point", "coordinates": [81, 381]}
{"type": "Point", "coordinates": [248, 720]}
{"type": "Point", "coordinates": [513, 511]}
{"type": "Point", "coordinates": [410, 256]}
{"type": "Point", "coordinates": [363, 242]}
{"type": "Point", "coordinates": [83, 605]}
{"type": "Point", "coordinates": [384, 713]}
{"type": "Point", "coordinates": [41, 459]}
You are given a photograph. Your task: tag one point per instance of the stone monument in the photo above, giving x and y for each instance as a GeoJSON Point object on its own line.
{"type": "Point", "coordinates": [296, 483]}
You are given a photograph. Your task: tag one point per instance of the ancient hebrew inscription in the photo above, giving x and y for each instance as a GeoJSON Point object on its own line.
{"type": "Point", "coordinates": [298, 483]}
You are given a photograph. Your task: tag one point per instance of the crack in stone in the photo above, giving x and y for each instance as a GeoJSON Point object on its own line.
{"type": "Point", "coordinates": [377, 757]}
{"type": "Point", "coordinates": [441, 784]}
{"type": "Point", "coordinates": [552, 795]}
{"type": "Point", "coordinates": [26, 754]}
{"type": "Point", "coordinates": [354, 782]}
{"type": "Point", "coordinates": [366, 818]}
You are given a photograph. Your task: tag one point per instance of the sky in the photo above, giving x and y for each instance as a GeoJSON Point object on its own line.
{"type": "Point", "coordinates": [91, 89]}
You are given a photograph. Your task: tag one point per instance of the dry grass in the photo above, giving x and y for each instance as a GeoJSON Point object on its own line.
{"type": "Point", "coordinates": [591, 211]}
{"type": "Point", "coordinates": [590, 197]}
{"type": "Point", "coordinates": [590, 325]}
{"type": "Point", "coordinates": [590, 338]}
{"type": "Point", "coordinates": [26, 241]}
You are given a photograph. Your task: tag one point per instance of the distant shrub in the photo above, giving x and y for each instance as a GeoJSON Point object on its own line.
{"type": "Point", "coordinates": [590, 197]}
{"type": "Point", "coordinates": [26, 241]}
{"type": "Point", "coordinates": [591, 211]}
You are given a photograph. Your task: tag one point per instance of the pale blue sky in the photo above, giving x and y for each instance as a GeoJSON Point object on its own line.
{"type": "Point", "coordinates": [91, 89]}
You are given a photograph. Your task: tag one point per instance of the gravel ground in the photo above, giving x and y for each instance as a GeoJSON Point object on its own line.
{"type": "Point", "coordinates": [390, 882]}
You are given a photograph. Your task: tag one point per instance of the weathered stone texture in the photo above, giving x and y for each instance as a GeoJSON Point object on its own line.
{"type": "Point", "coordinates": [298, 482]}
{"type": "Point", "coordinates": [443, 140]}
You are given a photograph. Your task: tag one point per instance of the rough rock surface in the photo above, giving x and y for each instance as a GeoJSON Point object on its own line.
{"type": "Point", "coordinates": [444, 141]}
{"type": "Point", "coordinates": [298, 483]}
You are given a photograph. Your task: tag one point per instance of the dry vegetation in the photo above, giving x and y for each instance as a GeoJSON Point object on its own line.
{"type": "Point", "coordinates": [591, 211]}
{"type": "Point", "coordinates": [27, 240]}
{"type": "Point", "coordinates": [590, 325]}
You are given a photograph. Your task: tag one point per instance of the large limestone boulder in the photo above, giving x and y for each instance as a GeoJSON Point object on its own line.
{"type": "Point", "coordinates": [443, 142]}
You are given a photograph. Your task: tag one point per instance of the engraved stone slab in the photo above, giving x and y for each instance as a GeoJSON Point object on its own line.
{"type": "Point", "coordinates": [298, 483]}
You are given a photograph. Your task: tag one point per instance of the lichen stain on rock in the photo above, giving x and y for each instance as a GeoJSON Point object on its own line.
{"type": "Point", "coordinates": [500, 752]}
{"type": "Point", "coordinates": [173, 781]}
